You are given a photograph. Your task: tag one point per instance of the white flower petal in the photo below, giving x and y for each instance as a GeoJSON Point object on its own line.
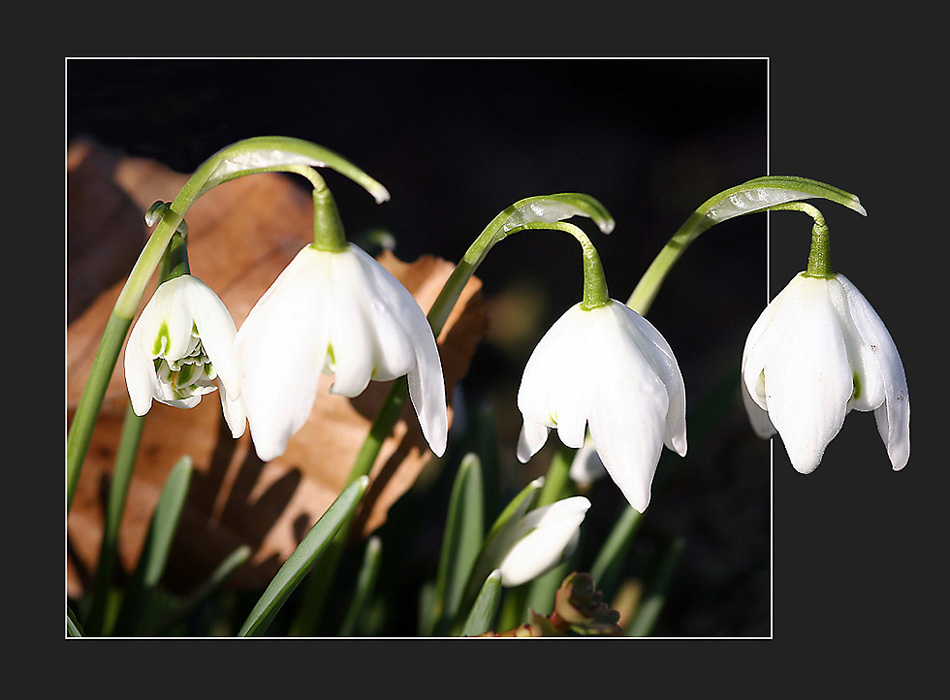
{"type": "Point", "coordinates": [629, 441]}
{"type": "Point", "coordinates": [175, 296]}
{"type": "Point", "coordinates": [554, 388]}
{"type": "Point", "coordinates": [807, 378]}
{"type": "Point", "coordinates": [385, 299]}
{"type": "Point", "coordinates": [758, 416]}
{"type": "Point", "coordinates": [352, 341]}
{"type": "Point", "coordinates": [426, 381]}
{"type": "Point", "coordinates": [233, 410]}
{"type": "Point", "coordinates": [660, 355]}
{"type": "Point", "coordinates": [532, 438]}
{"type": "Point", "coordinates": [282, 347]}
{"type": "Point", "coordinates": [139, 371]}
{"type": "Point", "coordinates": [761, 340]}
{"type": "Point", "coordinates": [217, 332]}
{"type": "Point", "coordinates": [881, 363]}
{"type": "Point", "coordinates": [628, 420]}
{"type": "Point", "coordinates": [868, 392]}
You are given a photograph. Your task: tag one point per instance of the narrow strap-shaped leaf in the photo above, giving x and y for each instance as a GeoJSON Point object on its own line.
{"type": "Point", "coordinates": [462, 541]}
{"type": "Point", "coordinates": [497, 542]}
{"type": "Point", "coordinates": [302, 559]}
{"type": "Point", "coordinates": [482, 616]}
{"type": "Point", "coordinates": [158, 542]}
{"type": "Point", "coordinates": [524, 501]}
{"type": "Point", "coordinates": [129, 440]}
{"type": "Point", "coordinates": [649, 610]}
{"type": "Point", "coordinates": [365, 583]}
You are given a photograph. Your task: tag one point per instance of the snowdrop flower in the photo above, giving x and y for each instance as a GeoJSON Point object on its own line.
{"type": "Point", "coordinates": [182, 347]}
{"type": "Point", "coordinates": [609, 371]}
{"type": "Point", "coordinates": [338, 313]}
{"type": "Point", "coordinates": [818, 351]}
{"type": "Point", "coordinates": [543, 539]}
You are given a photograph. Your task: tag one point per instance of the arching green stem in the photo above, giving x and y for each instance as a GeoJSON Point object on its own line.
{"type": "Point", "coordinates": [819, 256]}
{"type": "Point", "coordinates": [759, 194]}
{"type": "Point", "coordinates": [595, 292]}
{"type": "Point", "coordinates": [247, 157]}
{"type": "Point", "coordinates": [541, 212]}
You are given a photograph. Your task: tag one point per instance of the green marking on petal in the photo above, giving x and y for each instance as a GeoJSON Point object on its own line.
{"type": "Point", "coordinates": [162, 340]}
{"type": "Point", "coordinates": [856, 380]}
{"type": "Point", "coordinates": [185, 374]}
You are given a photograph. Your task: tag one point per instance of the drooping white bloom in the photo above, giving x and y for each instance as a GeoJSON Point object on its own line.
{"type": "Point", "coordinates": [609, 371]}
{"type": "Point", "coordinates": [182, 347]}
{"type": "Point", "coordinates": [543, 538]}
{"type": "Point", "coordinates": [339, 313]}
{"type": "Point", "coordinates": [818, 351]}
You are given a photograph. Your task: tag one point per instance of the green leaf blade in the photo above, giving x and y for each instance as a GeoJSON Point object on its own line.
{"type": "Point", "coordinates": [155, 551]}
{"type": "Point", "coordinates": [483, 613]}
{"type": "Point", "coordinates": [303, 558]}
{"type": "Point", "coordinates": [365, 584]}
{"type": "Point", "coordinates": [462, 541]}
{"type": "Point", "coordinates": [497, 542]}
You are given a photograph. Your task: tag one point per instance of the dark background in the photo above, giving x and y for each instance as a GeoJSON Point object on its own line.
{"type": "Point", "coordinates": [857, 97]}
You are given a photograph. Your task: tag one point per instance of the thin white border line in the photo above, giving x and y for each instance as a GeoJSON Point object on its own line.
{"type": "Point", "coordinates": [416, 58]}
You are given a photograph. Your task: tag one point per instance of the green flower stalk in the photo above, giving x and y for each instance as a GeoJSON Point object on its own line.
{"type": "Point", "coordinates": [819, 255]}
